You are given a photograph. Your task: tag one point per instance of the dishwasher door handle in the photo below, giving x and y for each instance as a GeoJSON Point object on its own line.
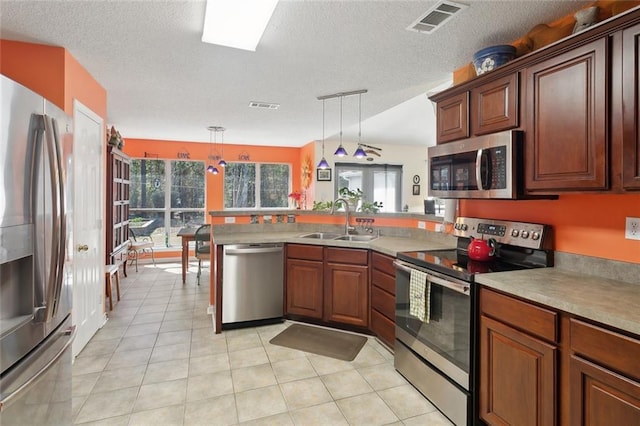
{"type": "Point", "coordinates": [253, 250]}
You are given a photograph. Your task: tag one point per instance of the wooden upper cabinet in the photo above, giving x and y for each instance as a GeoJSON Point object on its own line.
{"type": "Point", "coordinates": [631, 109]}
{"type": "Point", "coordinates": [452, 118]}
{"type": "Point", "coordinates": [566, 146]}
{"type": "Point", "coordinates": [494, 105]}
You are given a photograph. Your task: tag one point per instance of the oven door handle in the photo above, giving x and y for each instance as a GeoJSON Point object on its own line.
{"type": "Point", "coordinates": [458, 287]}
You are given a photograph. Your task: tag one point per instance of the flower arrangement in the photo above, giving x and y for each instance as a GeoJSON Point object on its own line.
{"type": "Point", "coordinates": [296, 196]}
{"type": "Point", "coordinates": [114, 138]}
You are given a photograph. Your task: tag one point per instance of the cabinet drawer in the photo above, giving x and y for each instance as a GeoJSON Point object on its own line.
{"type": "Point", "coordinates": [595, 343]}
{"type": "Point", "coordinates": [307, 252]}
{"type": "Point", "coordinates": [383, 263]}
{"type": "Point", "coordinates": [383, 302]}
{"type": "Point", "coordinates": [383, 327]}
{"type": "Point", "coordinates": [348, 256]}
{"type": "Point", "coordinates": [384, 281]}
{"type": "Point", "coordinates": [522, 315]}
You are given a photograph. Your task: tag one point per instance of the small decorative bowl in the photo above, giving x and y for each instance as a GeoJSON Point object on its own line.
{"type": "Point", "coordinates": [492, 57]}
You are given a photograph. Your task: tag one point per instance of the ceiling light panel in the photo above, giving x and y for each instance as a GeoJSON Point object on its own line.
{"type": "Point", "coordinates": [237, 23]}
{"type": "Point", "coordinates": [437, 16]}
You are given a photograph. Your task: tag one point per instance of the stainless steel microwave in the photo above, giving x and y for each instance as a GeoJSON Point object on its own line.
{"type": "Point", "coordinates": [480, 167]}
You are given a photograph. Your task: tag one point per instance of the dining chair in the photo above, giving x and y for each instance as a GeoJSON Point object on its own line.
{"type": "Point", "coordinates": [139, 246]}
{"type": "Point", "coordinates": [203, 246]}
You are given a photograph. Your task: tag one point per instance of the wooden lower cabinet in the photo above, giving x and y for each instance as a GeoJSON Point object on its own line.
{"type": "Point", "coordinates": [383, 298]}
{"type": "Point", "coordinates": [328, 283]}
{"type": "Point", "coordinates": [304, 288]}
{"type": "Point", "coordinates": [346, 293]}
{"type": "Point", "coordinates": [542, 367]}
{"type": "Point", "coordinates": [517, 376]}
{"type": "Point", "coordinates": [600, 396]}
{"type": "Point", "coordinates": [604, 376]}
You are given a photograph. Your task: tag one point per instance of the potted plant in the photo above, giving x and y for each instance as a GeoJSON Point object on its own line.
{"type": "Point", "coordinates": [353, 197]}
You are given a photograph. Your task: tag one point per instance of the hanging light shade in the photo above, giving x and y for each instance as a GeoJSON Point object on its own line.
{"type": "Point", "coordinates": [341, 152]}
{"type": "Point", "coordinates": [211, 168]}
{"type": "Point", "coordinates": [323, 164]}
{"type": "Point", "coordinates": [222, 163]}
{"type": "Point", "coordinates": [360, 154]}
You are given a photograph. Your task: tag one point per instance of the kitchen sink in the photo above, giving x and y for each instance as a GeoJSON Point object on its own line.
{"type": "Point", "coordinates": [356, 238]}
{"type": "Point", "coordinates": [321, 235]}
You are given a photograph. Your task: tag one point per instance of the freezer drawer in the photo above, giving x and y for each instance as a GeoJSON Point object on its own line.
{"type": "Point", "coordinates": [37, 390]}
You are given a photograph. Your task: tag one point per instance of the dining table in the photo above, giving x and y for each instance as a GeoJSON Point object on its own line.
{"type": "Point", "coordinates": [186, 235]}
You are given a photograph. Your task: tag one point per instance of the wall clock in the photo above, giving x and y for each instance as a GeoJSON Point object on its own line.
{"type": "Point", "coordinates": [416, 179]}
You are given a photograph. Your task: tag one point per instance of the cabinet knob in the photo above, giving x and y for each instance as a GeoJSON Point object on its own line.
{"type": "Point", "coordinates": [83, 247]}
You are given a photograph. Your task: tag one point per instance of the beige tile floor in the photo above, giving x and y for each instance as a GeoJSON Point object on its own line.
{"type": "Point", "coordinates": [158, 362]}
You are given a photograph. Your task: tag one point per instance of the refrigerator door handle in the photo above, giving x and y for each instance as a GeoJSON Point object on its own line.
{"type": "Point", "coordinates": [71, 332]}
{"type": "Point", "coordinates": [54, 167]}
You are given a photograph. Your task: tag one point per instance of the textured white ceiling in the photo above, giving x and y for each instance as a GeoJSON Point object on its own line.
{"type": "Point", "coordinates": [164, 83]}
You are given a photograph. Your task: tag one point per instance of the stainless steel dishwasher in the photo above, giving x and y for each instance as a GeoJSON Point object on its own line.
{"type": "Point", "coordinates": [252, 282]}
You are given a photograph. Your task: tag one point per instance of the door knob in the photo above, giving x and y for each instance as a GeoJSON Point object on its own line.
{"type": "Point", "coordinates": [83, 247]}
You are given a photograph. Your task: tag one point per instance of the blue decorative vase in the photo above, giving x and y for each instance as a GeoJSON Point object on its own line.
{"type": "Point", "coordinates": [490, 58]}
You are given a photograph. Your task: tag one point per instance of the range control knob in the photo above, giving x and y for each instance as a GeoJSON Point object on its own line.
{"type": "Point", "coordinates": [515, 233]}
{"type": "Point", "coordinates": [535, 236]}
{"type": "Point", "coordinates": [465, 227]}
{"type": "Point", "coordinates": [524, 234]}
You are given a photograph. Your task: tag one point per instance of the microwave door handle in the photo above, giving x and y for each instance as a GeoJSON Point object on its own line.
{"type": "Point", "coordinates": [479, 169]}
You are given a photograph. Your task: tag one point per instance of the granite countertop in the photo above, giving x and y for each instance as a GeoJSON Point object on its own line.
{"type": "Point", "coordinates": [611, 302]}
{"type": "Point", "coordinates": [383, 244]}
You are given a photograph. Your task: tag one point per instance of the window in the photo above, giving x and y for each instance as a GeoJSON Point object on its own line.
{"type": "Point", "coordinates": [256, 185]}
{"type": "Point", "coordinates": [166, 192]}
{"type": "Point", "coordinates": [379, 183]}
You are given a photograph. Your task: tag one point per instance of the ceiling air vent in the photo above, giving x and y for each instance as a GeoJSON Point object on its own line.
{"type": "Point", "coordinates": [435, 17]}
{"type": "Point", "coordinates": [263, 105]}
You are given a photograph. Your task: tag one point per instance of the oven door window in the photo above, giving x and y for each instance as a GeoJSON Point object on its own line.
{"type": "Point", "coordinates": [445, 327]}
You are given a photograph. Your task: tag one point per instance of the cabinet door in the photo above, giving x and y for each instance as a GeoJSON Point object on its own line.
{"type": "Point", "coordinates": [601, 397]}
{"type": "Point", "coordinates": [304, 288]}
{"type": "Point", "coordinates": [631, 110]}
{"type": "Point", "coordinates": [346, 295]}
{"type": "Point", "coordinates": [517, 377]}
{"type": "Point", "coordinates": [452, 118]}
{"type": "Point", "coordinates": [494, 105]}
{"type": "Point", "coordinates": [566, 139]}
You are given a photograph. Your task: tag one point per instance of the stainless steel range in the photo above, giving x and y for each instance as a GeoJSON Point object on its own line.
{"type": "Point", "coordinates": [436, 308]}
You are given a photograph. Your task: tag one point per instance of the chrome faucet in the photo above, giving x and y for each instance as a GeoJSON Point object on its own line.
{"type": "Point", "coordinates": [347, 228]}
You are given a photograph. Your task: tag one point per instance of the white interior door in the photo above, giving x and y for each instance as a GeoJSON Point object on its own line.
{"type": "Point", "coordinates": [88, 266]}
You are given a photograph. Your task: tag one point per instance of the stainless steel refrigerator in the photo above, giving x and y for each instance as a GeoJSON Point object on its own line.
{"type": "Point", "coordinates": [36, 145]}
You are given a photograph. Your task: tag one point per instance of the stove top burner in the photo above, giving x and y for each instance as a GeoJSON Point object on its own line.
{"type": "Point", "coordinates": [453, 262]}
{"type": "Point", "coordinates": [519, 246]}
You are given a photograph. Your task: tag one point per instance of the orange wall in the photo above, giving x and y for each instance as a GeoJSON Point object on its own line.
{"type": "Point", "coordinates": [200, 151]}
{"type": "Point", "coordinates": [591, 225]}
{"type": "Point", "coordinates": [80, 85]}
{"type": "Point", "coordinates": [53, 73]}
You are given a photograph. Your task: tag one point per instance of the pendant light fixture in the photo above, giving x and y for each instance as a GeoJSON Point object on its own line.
{"type": "Point", "coordinates": [341, 152]}
{"type": "Point", "coordinates": [211, 168]}
{"type": "Point", "coordinates": [222, 163]}
{"type": "Point", "coordinates": [323, 164]}
{"type": "Point", "coordinates": [360, 154]}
